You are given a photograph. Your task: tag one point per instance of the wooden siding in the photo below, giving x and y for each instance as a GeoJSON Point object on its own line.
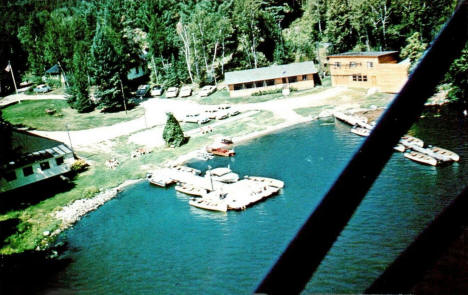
{"type": "Point", "coordinates": [382, 72]}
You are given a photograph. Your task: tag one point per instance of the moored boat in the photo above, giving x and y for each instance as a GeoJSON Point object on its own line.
{"type": "Point", "coordinates": [443, 152]}
{"type": "Point", "coordinates": [190, 190]}
{"type": "Point", "coordinates": [223, 174]}
{"type": "Point", "coordinates": [221, 152]}
{"type": "Point", "coordinates": [409, 141]}
{"type": "Point", "coordinates": [160, 180]}
{"type": "Point", "coordinates": [399, 148]}
{"type": "Point", "coordinates": [268, 181]}
{"type": "Point", "coordinates": [207, 204]}
{"type": "Point", "coordinates": [360, 131]}
{"type": "Point", "coordinates": [421, 158]}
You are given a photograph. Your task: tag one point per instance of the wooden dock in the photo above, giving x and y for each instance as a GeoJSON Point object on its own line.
{"type": "Point", "coordinates": [235, 196]}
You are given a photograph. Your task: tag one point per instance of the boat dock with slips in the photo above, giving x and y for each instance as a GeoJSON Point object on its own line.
{"type": "Point", "coordinates": [217, 195]}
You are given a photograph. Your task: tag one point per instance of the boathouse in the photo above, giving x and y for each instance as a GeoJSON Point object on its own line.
{"type": "Point", "coordinates": [32, 158]}
{"type": "Point", "coordinates": [377, 69]}
{"type": "Point", "coordinates": [301, 75]}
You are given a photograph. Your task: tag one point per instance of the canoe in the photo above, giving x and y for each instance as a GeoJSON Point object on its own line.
{"type": "Point", "coordinates": [421, 158]}
{"type": "Point", "coordinates": [443, 152]}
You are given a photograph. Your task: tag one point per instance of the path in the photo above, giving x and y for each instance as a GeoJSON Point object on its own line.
{"type": "Point", "coordinates": [155, 116]}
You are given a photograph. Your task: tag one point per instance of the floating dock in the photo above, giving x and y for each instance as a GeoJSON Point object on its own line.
{"type": "Point", "coordinates": [219, 196]}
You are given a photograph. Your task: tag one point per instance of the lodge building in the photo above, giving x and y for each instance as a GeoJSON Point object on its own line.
{"type": "Point", "coordinates": [378, 69]}
{"type": "Point", "coordinates": [35, 159]}
{"type": "Point", "coordinates": [296, 75]}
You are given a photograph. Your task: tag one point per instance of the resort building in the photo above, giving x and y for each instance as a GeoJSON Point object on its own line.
{"type": "Point", "coordinates": [296, 75]}
{"type": "Point", "coordinates": [378, 69]}
{"type": "Point", "coordinates": [35, 158]}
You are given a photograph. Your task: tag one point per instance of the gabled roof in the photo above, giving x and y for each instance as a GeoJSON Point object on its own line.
{"type": "Point", "coordinates": [54, 70]}
{"type": "Point", "coordinates": [30, 147]}
{"type": "Point", "coordinates": [364, 54]}
{"type": "Point", "coordinates": [271, 72]}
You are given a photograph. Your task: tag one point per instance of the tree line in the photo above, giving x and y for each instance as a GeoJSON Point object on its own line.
{"type": "Point", "coordinates": [98, 41]}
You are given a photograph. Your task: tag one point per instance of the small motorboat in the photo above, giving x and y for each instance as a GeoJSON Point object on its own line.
{"type": "Point", "coordinates": [219, 151]}
{"type": "Point", "coordinates": [421, 158]}
{"type": "Point", "coordinates": [223, 174]}
{"type": "Point", "coordinates": [211, 205]}
{"type": "Point", "coordinates": [399, 148]}
{"type": "Point", "coordinates": [190, 190]}
{"type": "Point", "coordinates": [268, 181]}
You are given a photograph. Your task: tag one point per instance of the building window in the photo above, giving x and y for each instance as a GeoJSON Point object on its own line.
{"type": "Point", "coordinates": [44, 165]}
{"type": "Point", "coordinates": [270, 82]}
{"type": "Point", "coordinates": [237, 86]}
{"type": "Point", "coordinates": [248, 85]}
{"type": "Point", "coordinates": [352, 64]}
{"type": "Point", "coordinates": [337, 64]}
{"type": "Point", "coordinates": [364, 78]}
{"type": "Point", "coordinates": [27, 171]}
{"type": "Point", "coordinates": [354, 77]}
{"type": "Point", "coordinates": [292, 79]}
{"type": "Point", "coordinates": [10, 176]}
{"type": "Point", "coordinates": [259, 84]}
{"type": "Point", "coordinates": [59, 161]}
{"type": "Point", "coordinates": [285, 80]}
{"type": "Point", "coordinates": [359, 78]}
{"type": "Point", "coordinates": [304, 77]}
{"type": "Point", "coordinates": [370, 64]}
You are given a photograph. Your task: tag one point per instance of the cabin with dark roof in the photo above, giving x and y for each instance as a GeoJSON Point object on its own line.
{"type": "Point", "coordinates": [35, 158]}
{"type": "Point", "coordinates": [376, 69]}
{"type": "Point", "coordinates": [296, 75]}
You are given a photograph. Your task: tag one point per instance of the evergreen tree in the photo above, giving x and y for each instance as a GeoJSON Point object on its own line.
{"type": "Point", "coordinates": [173, 134]}
{"type": "Point", "coordinates": [107, 71]}
{"type": "Point", "coordinates": [79, 88]}
{"type": "Point", "coordinates": [414, 49]}
{"type": "Point", "coordinates": [457, 76]}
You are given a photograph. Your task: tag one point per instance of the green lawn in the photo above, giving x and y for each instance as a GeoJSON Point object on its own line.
{"type": "Point", "coordinates": [32, 113]}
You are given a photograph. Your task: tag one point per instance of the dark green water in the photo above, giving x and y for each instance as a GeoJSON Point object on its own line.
{"type": "Point", "coordinates": [150, 241]}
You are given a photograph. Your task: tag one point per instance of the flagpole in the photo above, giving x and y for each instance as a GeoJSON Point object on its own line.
{"type": "Point", "coordinates": [14, 82]}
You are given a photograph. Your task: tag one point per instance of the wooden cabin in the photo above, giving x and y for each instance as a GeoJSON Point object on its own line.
{"type": "Point", "coordinates": [378, 69]}
{"type": "Point", "coordinates": [35, 158]}
{"type": "Point", "coordinates": [296, 75]}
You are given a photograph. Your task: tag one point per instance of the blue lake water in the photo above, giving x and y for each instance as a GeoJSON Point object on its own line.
{"type": "Point", "coordinates": [149, 240]}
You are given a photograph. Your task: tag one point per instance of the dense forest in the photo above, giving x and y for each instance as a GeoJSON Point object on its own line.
{"type": "Point", "coordinates": [96, 42]}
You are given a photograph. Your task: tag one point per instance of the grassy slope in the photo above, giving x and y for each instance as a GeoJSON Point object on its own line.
{"type": "Point", "coordinates": [32, 113]}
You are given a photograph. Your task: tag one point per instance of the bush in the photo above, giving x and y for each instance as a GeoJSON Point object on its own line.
{"type": "Point", "coordinates": [53, 83]}
{"type": "Point", "coordinates": [266, 92]}
{"type": "Point", "coordinates": [79, 166]}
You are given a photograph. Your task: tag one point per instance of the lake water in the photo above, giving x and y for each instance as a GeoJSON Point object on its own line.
{"type": "Point", "coordinates": [149, 240]}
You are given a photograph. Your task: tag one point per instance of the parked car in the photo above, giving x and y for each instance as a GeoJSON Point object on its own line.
{"type": "Point", "coordinates": [43, 88]}
{"type": "Point", "coordinates": [142, 91]}
{"type": "Point", "coordinates": [224, 107]}
{"type": "Point", "coordinates": [222, 115]}
{"type": "Point", "coordinates": [207, 90]}
{"type": "Point", "coordinates": [211, 113]}
{"type": "Point", "coordinates": [172, 92]}
{"type": "Point", "coordinates": [185, 91]}
{"type": "Point", "coordinates": [156, 90]}
{"type": "Point", "coordinates": [203, 120]}
{"type": "Point", "coordinates": [234, 113]}
{"type": "Point", "coordinates": [192, 118]}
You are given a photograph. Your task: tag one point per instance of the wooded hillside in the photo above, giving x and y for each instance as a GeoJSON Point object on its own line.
{"type": "Point", "coordinates": [98, 41]}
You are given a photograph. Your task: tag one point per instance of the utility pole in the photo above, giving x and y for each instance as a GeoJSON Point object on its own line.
{"type": "Point", "coordinates": [10, 69]}
{"type": "Point", "coordinates": [69, 138]}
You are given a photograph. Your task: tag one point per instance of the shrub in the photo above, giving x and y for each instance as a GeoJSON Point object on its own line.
{"type": "Point", "coordinates": [78, 166]}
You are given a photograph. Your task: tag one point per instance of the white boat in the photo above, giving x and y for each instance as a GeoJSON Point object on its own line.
{"type": "Point", "coordinates": [349, 119]}
{"type": "Point", "coordinates": [190, 190]}
{"type": "Point", "coordinates": [421, 158]}
{"type": "Point", "coordinates": [160, 180]}
{"type": "Point", "coordinates": [360, 131]}
{"type": "Point", "coordinates": [409, 141]}
{"type": "Point", "coordinates": [443, 152]}
{"type": "Point", "coordinates": [268, 181]}
{"type": "Point", "coordinates": [209, 204]}
{"type": "Point", "coordinates": [399, 148]}
{"type": "Point", "coordinates": [222, 174]}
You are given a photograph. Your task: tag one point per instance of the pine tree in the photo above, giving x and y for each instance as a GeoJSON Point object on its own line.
{"type": "Point", "coordinates": [173, 134]}
{"type": "Point", "coordinates": [79, 90]}
{"type": "Point", "coordinates": [107, 70]}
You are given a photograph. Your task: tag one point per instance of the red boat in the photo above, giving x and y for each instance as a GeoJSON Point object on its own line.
{"type": "Point", "coordinates": [221, 152]}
